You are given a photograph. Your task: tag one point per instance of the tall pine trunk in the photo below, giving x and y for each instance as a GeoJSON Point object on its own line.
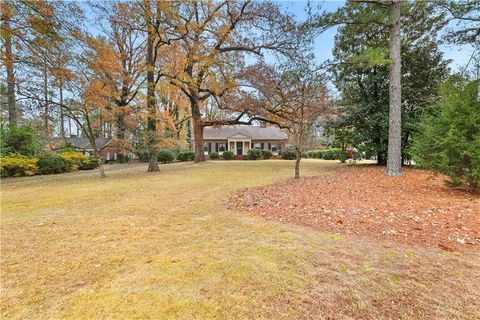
{"type": "Point", "coordinates": [394, 156]}
{"type": "Point", "coordinates": [62, 116]}
{"type": "Point", "coordinates": [45, 93]}
{"type": "Point", "coordinates": [8, 62]}
{"type": "Point", "coordinates": [197, 131]}
{"type": "Point", "coordinates": [151, 101]}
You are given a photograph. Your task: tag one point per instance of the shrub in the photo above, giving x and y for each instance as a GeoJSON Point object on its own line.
{"type": "Point", "coordinates": [267, 154]}
{"type": "Point", "coordinates": [254, 154]}
{"type": "Point", "coordinates": [52, 163]}
{"type": "Point", "coordinates": [186, 155]}
{"type": "Point", "coordinates": [22, 140]}
{"type": "Point", "coordinates": [331, 154]}
{"type": "Point", "coordinates": [74, 159]}
{"type": "Point", "coordinates": [319, 154]}
{"type": "Point", "coordinates": [18, 165]}
{"type": "Point", "coordinates": [90, 164]}
{"type": "Point", "coordinates": [214, 155]}
{"type": "Point", "coordinates": [343, 156]}
{"type": "Point", "coordinates": [449, 141]}
{"type": "Point", "coordinates": [228, 155]}
{"type": "Point", "coordinates": [289, 154]}
{"type": "Point", "coordinates": [165, 155]}
{"type": "Point", "coordinates": [122, 158]}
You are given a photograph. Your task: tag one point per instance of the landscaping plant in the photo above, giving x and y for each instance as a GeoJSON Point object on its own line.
{"type": "Point", "coordinates": [228, 155]}
{"type": "Point", "coordinates": [52, 163]}
{"type": "Point", "coordinates": [267, 154]}
{"type": "Point", "coordinates": [165, 156]}
{"type": "Point", "coordinates": [448, 141]}
{"type": "Point", "coordinates": [254, 154]}
{"type": "Point", "coordinates": [214, 155]}
{"type": "Point", "coordinates": [186, 155]}
{"type": "Point", "coordinates": [15, 165]}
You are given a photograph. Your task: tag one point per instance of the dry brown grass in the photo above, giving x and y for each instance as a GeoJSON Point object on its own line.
{"type": "Point", "coordinates": [162, 246]}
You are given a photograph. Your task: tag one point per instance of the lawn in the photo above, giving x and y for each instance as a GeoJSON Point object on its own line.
{"type": "Point", "coordinates": [164, 246]}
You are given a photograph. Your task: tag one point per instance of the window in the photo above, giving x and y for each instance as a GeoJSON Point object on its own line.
{"type": "Point", "coordinates": [257, 145]}
{"type": "Point", "coordinates": [205, 147]}
{"type": "Point", "coordinates": [274, 147]}
{"type": "Point", "coordinates": [221, 147]}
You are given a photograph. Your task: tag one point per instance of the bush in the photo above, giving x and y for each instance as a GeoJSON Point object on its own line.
{"type": "Point", "coordinates": [52, 163]}
{"type": "Point", "coordinates": [74, 159]}
{"type": "Point", "coordinates": [90, 164]}
{"type": "Point", "coordinates": [331, 154]}
{"type": "Point", "coordinates": [22, 140]}
{"type": "Point", "coordinates": [228, 155]}
{"type": "Point", "coordinates": [319, 154]}
{"type": "Point", "coordinates": [254, 154]}
{"type": "Point", "coordinates": [449, 141]}
{"type": "Point", "coordinates": [165, 155]}
{"type": "Point", "coordinates": [214, 155]}
{"type": "Point", "coordinates": [186, 155]}
{"type": "Point", "coordinates": [289, 154]}
{"type": "Point", "coordinates": [267, 154]}
{"type": "Point", "coordinates": [18, 165]}
{"type": "Point", "coordinates": [343, 156]}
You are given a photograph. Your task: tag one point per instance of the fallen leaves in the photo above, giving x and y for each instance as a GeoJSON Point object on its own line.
{"type": "Point", "coordinates": [416, 208]}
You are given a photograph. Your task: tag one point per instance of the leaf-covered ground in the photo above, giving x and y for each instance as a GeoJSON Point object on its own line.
{"type": "Point", "coordinates": [416, 208]}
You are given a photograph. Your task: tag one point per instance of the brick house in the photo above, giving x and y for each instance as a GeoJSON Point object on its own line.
{"type": "Point", "coordinates": [106, 146]}
{"type": "Point", "coordinates": [240, 138]}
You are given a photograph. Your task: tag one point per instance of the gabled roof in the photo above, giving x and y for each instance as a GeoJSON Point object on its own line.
{"type": "Point", "coordinates": [80, 143]}
{"type": "Point", "coordinates": [255, 133]}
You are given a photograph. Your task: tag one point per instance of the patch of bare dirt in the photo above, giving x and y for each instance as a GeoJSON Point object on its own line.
{"type": "Point", "coordinates": [416, 208]}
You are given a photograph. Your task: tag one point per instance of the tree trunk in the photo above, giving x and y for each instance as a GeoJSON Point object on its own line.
{"type": "Point", "coordinates": [62, 116]}
{"type": "Point", "coordinates": [151, 101]}
{"type": "Point", "coordinates": [8, 61]}
{"type": "Point", "coordinates": [45, 92]}
{"type": "Point", "coordinates": [394, 156]}
{"type": "Point", "coordinates": [297, 163]}
{"type": "Point", "coordinates": [120, 134]}
{"type": "Point", "coordinates": [198, 136]}
{"type": "Point", "coordinates": [101, 167]}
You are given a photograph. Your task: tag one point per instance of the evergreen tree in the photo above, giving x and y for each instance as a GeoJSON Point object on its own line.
{"type": "Point", "coordinates": [448, 141]}
{"type": "Point", "coordinates": [362, 75]}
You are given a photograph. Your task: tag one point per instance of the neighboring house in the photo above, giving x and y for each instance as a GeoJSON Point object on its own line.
{"type": "Point", "coordinates": [240, 138]}
{"type": "Point", "coordinates": [106, 147]}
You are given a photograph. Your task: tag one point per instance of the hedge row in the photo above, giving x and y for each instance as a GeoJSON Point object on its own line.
{"type": "Point", "coordinates": [15, 165]}
{"type": "Point", "coordinates": [332, 154]}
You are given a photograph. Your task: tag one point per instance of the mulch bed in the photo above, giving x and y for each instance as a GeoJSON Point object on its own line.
{"type": "Point", "coordinates": [416, 208]}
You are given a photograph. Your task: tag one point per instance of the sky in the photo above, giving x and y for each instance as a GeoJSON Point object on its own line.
{"type": "Point", "coordinates": [460, 55]}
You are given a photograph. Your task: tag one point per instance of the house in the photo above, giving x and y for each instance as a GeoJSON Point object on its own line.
{"type": "Point", "coordinates": [106, 146]}
{"type": "Point", "coordinates": [241, 138]}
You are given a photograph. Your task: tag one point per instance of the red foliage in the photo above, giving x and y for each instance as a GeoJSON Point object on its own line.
{"type": "Point", "coordinates": [416, 208]}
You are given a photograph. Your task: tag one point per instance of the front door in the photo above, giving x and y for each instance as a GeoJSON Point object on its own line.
{"type": "Point", "coordinates": [239, 148]}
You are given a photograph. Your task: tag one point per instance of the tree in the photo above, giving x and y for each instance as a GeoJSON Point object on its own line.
{"type": "Point", "coordinates": [361, 74]}
{"type": "Point", "coordinates": [219, 36]}
{"type": "Point", "coordinates": [388, 15]}
{"type": "Point", "coordinates": [466, 15]}
{"type": "Point", "coordinates": [394, 155]}
{"type": "Point", "coordinates": [8, 61]}
{"type": "Point", "coordinates": [127, 45]}
{"type": "Point", "coordinates": [449, 140]}
{"type": "Point", "coordinates": [23, 140]}
{"type": "Point", "coordinates": [292, 97]}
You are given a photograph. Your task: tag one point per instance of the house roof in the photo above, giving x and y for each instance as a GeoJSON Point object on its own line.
{"type": "Point", "coordinates": [81, 143]}
{"type": "Point", "coordinates": [255, 133]}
